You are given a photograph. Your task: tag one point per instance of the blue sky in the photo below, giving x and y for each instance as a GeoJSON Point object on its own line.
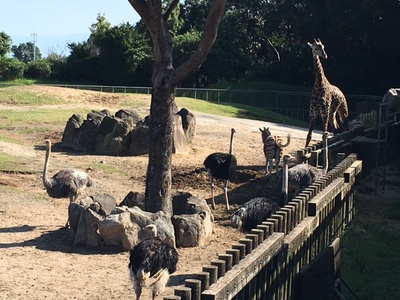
{"type": "Point", "coordinates": [57, 22]}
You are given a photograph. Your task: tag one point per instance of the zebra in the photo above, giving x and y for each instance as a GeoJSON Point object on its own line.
{"type": "Point", "coordinates": [272, 148]}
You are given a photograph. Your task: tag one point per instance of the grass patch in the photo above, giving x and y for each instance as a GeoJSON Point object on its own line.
{"type": "Point", "coordinates": [109, 169]}
{"type": "Point", "coordinates": [7, 162]}
{"type": "Point", "coordinates": [19, 119]}
{"type": "Point", "coordinates": [237, 111]}
{"type": "Point", "coordinates": [14, 95]}
{"type": "Point", "coordinates": [370, 247]}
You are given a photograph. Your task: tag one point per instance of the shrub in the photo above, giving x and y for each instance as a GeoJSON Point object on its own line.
{"type": "Point", "coordinates": [11, 68]}
{"type": "Point", "coordinates": [38, 69]}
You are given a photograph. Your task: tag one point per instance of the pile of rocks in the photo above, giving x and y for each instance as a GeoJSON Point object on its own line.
{"type": "Point", "coordinates": [125, 133]}
{"type": "Point", "coordinates": [98, 220]}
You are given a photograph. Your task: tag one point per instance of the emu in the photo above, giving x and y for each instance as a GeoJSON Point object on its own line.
{"type": "Point", "coordinates": [221, 166]}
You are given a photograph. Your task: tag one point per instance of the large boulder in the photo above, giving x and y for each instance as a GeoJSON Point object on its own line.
{"type": "Point", "coordinates": [188, 124]}
{"type": "Point", "coordinates": [117, 141]}
{"type": "Point", "coordinates": [133, 199]}
{"type": "Point", "coordinates": [130, 116]}
{"type": "Point", "coordinates": [73, 124]}
{"type": "Point", "coordinates": [192, 220]}
{"type": "Point", "coordinates": [139, 139]}
{"type": "Point", "coordinates": [180, 144]}
{"type": "Point", "coordinates": [119, 230]}
{"type": "Point", "coordinates": [85, 136]}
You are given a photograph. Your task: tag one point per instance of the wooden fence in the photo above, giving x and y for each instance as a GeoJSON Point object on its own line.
{"type": "Point", "coordinates": [267, 263]}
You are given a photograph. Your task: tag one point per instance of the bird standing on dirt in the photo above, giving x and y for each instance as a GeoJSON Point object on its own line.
{"type": "Point", "coordinates": [68, 183]}
{"type": "Point", "coordinates": [151, 262]}
{"type": "Point", "coordinates": [221, 166]}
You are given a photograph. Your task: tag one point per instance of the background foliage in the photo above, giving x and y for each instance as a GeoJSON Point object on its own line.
{"type": "Point", "coordinates": [258, 41]}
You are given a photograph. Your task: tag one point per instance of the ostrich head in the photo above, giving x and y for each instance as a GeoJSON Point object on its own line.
{"type": "Point", "coordinates": [236, 220]}
{"type": "Point", "coordinates": [149, 231]}
{"type": "Point", "coordinates": [318, 49]}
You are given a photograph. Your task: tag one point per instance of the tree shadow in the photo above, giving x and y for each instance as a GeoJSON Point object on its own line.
{"type": "Point", "coordinates": [56, 240]}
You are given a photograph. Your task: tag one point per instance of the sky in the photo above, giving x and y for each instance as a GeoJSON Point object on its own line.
{"type": "Point", "coordinates": [56, 23]}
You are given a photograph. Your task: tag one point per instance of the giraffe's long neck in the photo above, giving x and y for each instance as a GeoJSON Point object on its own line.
{"type": "Point", "coordinates": [320, 79]}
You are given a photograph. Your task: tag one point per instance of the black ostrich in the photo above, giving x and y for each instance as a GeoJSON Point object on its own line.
{"type": "Point", "coordinates": [302, 175]}
{"type": "Point", "coordinates": [253, 213]}
{"type": "Point", "coordinates": [221, 166]}
{"type": "Point", "coordinates": [150, 263]}
{"type": "Point", "coordinates": [257, 210]}
{"type": "Point", "coordinates": [68, 183]}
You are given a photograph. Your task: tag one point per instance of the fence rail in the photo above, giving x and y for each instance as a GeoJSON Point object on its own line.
{"type": "Point", "coordinates": [291, 104]}
{"type": "Point", "coordinates": [267, 263]}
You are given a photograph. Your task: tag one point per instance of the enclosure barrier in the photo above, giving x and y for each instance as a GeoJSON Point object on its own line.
{"type": "Point", "coordinates": [266, 263]}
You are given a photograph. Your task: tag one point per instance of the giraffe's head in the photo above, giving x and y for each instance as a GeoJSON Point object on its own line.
{"type": "Point", "coordinates": [318, 49]}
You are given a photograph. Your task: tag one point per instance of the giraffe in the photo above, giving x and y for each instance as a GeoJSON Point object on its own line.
{"type": "Point", "coordinates": [326, 99]}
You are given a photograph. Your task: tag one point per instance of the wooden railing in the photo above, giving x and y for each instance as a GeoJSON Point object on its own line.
{"type": "Point", "coordinates": [266, 263]}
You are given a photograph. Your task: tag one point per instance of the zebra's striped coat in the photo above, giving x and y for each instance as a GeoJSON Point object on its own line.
{"type": "Point", "coordinates": [272, 149]}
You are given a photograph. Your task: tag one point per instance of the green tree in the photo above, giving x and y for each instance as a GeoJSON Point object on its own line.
{"type": "Point", "coordinates": [5, 44]}
{"type": "Point", "coordinates": [165, 79]}
{"type": "Point", "coordinates": [26, 52]}
{"type": "Point", "coordinates": [11, 68]}
{"type": "Point", "coordinates": [123, 52]}
{"type": "Point", "coordinates": [38, 69]}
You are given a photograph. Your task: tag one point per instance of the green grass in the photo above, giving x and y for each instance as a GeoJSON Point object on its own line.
{"type": "Point", "coordinates": [371, 246]}
{"type": "Point", "coordinates": [16, 96]}
{"type": "Point", "coordinates": [259, 86]}
{"type": "Point", "coordinates": [41, 119]}
{"type": "Point", "coordinates": [237, 111]}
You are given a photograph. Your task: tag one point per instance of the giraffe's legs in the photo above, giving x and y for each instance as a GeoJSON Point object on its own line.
{"type": "Point", "coordinates": [310, 130]}
{"type": "Point", "coordinates": [226, 194]}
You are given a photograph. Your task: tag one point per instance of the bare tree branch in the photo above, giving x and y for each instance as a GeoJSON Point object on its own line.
{"type": "Point", "coordinates": [207, 40]}
{"type": "Point", "coordinates": [170, 9]}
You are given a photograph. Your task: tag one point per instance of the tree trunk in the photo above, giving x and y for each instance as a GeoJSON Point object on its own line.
{"type": "Point", "coordinates": [165, 79]}
{"type": "Point", "coordinates": [158, 179]}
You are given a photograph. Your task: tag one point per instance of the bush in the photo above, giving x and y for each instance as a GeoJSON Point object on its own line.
{"type": "Point", "coordinates": [11, 68]}
{"type": "Point", "coordinates": [38, 69]}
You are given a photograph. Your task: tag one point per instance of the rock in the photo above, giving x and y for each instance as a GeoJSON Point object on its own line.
{"type": "Point", "coordinates": [73, 123]}
{"type": "Point", "coordinates": [133, 199]}
{"type": "Point", "coordinates": [180, 144]}
{"type": "Point", "coordinates": [119, 230]}
{"type": "Point", "coordinates": [139, 140]}
{"type": "Point", "coordinates": [192, 220]}
{"type": "Point", "coordinates": [132, 116]}
{"type": "Point", "coordinates": [87, 231]}
{"type": "Point", "coordinates": [188, 124]}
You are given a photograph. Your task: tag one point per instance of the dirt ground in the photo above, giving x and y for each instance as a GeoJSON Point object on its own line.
{"type": "Point", "coordinates": [36, 259]}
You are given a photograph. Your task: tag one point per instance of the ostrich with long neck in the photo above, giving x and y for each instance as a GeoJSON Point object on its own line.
{"type": "Point", "coordinates": [302, 175]}
{"type": "Point", "coordinates": [67, 183]}
{"type": "Point", "coordinates": [221, 166]}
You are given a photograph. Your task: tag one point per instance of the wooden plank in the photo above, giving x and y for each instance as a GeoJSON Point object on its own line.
{"type": "Point", "coordinates": [242, 248]}
{"type": "Point", "coordinates": [228, 258]}
{"type": "Point", "coordinates": [204, 277]}
{"type": "Point", "coordinates": [235, 255]}
{"type": "Point", "coordinates": [259, 233]}
{"type": "Point", "coordinates": [248, 243]}
{"type": "Point", "coordinates": [221, 266]}
{"type": "Point", "coordinates": [172, 297]}
{"type": "Point", "coordinates": [184, 293]}
{"type": "Point", "coordinates": [213, 271]}
{"type": "Point", "coordinates": [242, 273]}
{"type": "Point", "coordinates": [326, 196]}
{"type": "Point", "coordinates": [195, 286]}
{"type": "Point", "coordinates": [300, 233]}
{"type": "Point", "coordinates": [354, 169]}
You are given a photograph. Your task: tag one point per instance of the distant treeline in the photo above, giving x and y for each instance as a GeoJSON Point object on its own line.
{"type": "Point", "coordinates": [257, 41]}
